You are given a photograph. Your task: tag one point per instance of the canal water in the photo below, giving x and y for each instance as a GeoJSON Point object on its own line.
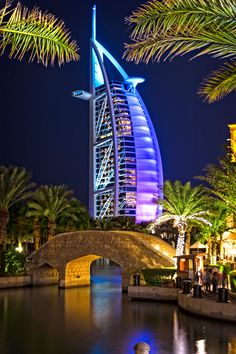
{"type": "Point", "coordinates": [100, 320]}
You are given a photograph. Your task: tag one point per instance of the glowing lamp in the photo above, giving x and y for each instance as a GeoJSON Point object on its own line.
{"type": "Point", "coordinates": [19, 248]}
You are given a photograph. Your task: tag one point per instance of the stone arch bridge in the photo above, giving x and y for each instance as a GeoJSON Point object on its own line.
{"type": "Point", "coordinates": [66, 259]}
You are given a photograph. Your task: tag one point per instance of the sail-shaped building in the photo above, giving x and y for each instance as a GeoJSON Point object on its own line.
{"type": "Point", "coordinates": [125, 162]}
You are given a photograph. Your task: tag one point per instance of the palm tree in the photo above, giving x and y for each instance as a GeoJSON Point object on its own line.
{"type": "Point", "coordinates": [213, 233]}
{"type": "Point", "coordinates": [126, 223]}
{"type": "Point", "coordinates": [36, 233]}
{"type": "Point", "coordinates": [45, 38]}
{"type": "Point", "coordinates": [170, 28]}
{"type": "Point", "coordinates": [186, 206]}
{"type": "Point", "coordinates": [51, 202]}
{"type": "Point", "coordinates": [19, 228]}
{"type": "Point", "coordinates": [222, 181]}
{"type": "Point", "coordinates": [104, 224]}
{"type": "Point", "coordinates": [15, 186]}
{"type": "Point", "coordinates": [167, 232]}
{"type": "Point", "coordinates": [82, 221]}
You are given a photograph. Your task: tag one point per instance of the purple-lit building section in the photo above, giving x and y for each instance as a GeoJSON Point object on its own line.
{"type": "Point", "coordinates": [125, 162]}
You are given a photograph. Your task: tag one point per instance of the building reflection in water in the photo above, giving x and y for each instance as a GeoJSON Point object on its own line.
{"type": "Point", "coordinates": [232, 346]}
{"type": "Point", "coordinates": [100, 320]}
{"type": "Point", "coordinates": [200, 346]}
{"type": "Point", "coordinates": [77, 309]}
{"type": "Point", "coordinates": [179, 336]}
{"type": "Point", "coordinates": [106, 293]}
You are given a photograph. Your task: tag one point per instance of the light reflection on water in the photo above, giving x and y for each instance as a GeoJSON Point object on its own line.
{"type": "Point", "coordinates": [100, 320]}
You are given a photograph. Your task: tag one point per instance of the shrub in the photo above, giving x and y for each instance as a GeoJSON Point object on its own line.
{"type": "Point", "coordinates": [232, 276]}
{"type": "Point", "coordinates": [14, 262]}
{"type": "Point", "coordinates": [156, 275]}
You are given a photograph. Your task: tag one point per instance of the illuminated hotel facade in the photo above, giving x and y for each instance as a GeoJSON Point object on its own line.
{"type": "Point", "coordinates": [125, 162]}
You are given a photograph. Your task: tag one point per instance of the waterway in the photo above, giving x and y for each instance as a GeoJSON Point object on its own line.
{"type": "Point", "coordinates": [102, 320]}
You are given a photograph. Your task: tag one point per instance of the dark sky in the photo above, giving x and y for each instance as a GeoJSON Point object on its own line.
{"type": "Point", "coordinates": [46, 130]}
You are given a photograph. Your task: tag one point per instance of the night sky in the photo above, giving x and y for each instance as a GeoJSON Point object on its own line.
{"type": "Point", "coordinates": [45, 129]}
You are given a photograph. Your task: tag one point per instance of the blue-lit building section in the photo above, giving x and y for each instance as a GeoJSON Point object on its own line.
{"type": "Point", "coordinates": [125, 162]}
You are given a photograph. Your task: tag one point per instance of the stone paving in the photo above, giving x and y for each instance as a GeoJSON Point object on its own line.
{"type": "Point", "coordinates": [209, 306]}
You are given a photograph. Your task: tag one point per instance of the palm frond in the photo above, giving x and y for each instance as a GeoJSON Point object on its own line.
{"type": "Point", "coordinates": [181, 16]}
{"type": "Point", "coordinates": [218, 224]}
{"type": "Point", "coordinates": [220, 83]}
{"type": "Point", "coordinates": [166, 29]}
{"type": "Point", "coordinates": [15, 185]}
{"type": "Point", "coordinates": [39, 34]}
{"type": "Point", "coordinates": [222, 180]}
{"type": "Point", "coordinates": [51, 202]}
{"type": "Point", "coordinates": [5, 10]}
{"type": "Point", "coordinates": [156, 47]}
{"type": "Point", "coordinates": [182, 203]}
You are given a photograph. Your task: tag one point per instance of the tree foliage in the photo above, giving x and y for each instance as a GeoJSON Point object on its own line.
{"type": "Point", "coordinates": [51, 202]}
{"type": "Point", "coordinates": [222, 181]}
{"type": "Point", "coordinates": [128, 223]}
{"type": "Point", "coordinates": [212, 234]}
{"type": "Point", "coordinates": [42, 35]}
{"type": "Point", "coordinates": [170, 28]}
{"type": "Point", "coordinates": [15, 186]}
{"type": "Point", "coordinates": [104, 224]}
{"type": "Point", "coordinates": [215, 230]}
{"type": "Point", "coordinates": [81, 222]}
{"type": "Point", "coordinates": [15, 262]}
{"type": "Point", "coordinates": [19, 228]}
{"type": "Point", "coordinates": [185, 205]}
{"type": "Point", "coordinates": [166, 231]}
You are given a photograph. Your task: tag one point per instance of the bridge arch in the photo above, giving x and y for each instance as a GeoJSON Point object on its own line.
{"type": "Point", "coordinates": [70, 255]}
{"type": "Point", "coordinates": [77, 271]}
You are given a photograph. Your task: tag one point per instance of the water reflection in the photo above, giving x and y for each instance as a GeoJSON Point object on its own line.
{"type": "Point", "coordinates": [100, 320]}
{"type": "Point", "coordinates": [200, 346]}
{"type": "Point", "coordinates": [106, 294]}
{"type": "Point", "coordinates": [179, 336]}
{"type": "Point", "coordinates": [232, 346]}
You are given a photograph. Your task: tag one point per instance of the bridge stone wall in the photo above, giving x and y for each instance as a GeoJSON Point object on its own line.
{"type": "Point", "coordinates": [71, 255]}
{"type": "Point", "coordinates": [45, 275]}
{"type": "Point", "coordinates": [156, 242]}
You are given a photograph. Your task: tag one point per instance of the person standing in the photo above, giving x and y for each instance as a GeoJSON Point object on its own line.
{"type": "Point", "coordinates": [214, 282]}
{"type": "Point", "coordinates": [224, 279]}
{"type": "Point", "coordinates": [206, 281]}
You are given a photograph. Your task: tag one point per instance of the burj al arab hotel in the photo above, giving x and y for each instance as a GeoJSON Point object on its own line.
{"type": "Point", "coordinates": [125, 163]}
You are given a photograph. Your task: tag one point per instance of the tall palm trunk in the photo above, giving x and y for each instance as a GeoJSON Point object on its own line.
{"type": "Point", "coordinates": [36, 231]}
{"type": "Point", "coordinates": [182, 228]}
{"type": "Point", "coordinates": [180, 244]}
{"type": "Point", "coordinates": [221, 248]}
{"type": "Point", "coordinates": [51, 229]}
{"type": "Point", "coordinates": [188, 241]}
{"type": "Point", "coordinates": [181, 238]}
{"type": "Point", "coordinates": [213, 254]}
{"type": "Point", "coordinates": [209, 244]}
{"type": "Point", "coordinates": [4, 217]}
